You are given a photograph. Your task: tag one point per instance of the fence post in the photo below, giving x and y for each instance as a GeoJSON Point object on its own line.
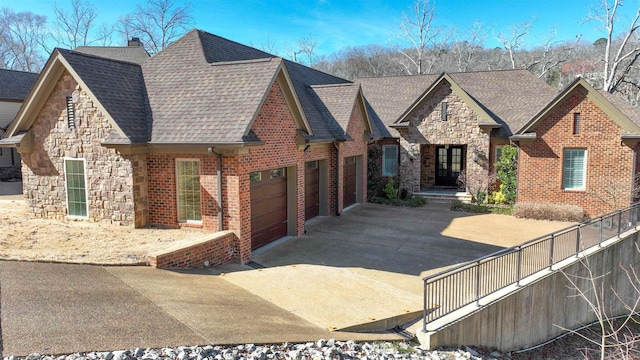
{"type": "Point", "coordinates": [551, 253]}
{"type": "Point", "coordinates": [424, 309]}
{"type": "Point", "coordinates": [600, 225]}
{"type": "Point", "coordinates": [619, 221]}
{"type": "Point", "coordinates": [519, 269]}
{"type": "Point", "coordinates": [478, 283]}
{"type": "Point", "coordinates": [578, 238]}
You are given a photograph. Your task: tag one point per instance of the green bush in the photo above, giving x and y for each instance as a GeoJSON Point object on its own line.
{"type": "Point", "coordinates": [546, 211]}
{"type": "Point", "coordinates": [506, 172]}
{"type": "Point", "coordinates": [458, 205]}
{"type": "Point", "coordinates": [498, 197]}
{"type": "Point", "coordinates": [390, 190]}
{"type": "Point", "coordinates": [417, 201]}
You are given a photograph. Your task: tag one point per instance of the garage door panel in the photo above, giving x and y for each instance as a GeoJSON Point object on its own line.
{"type": "Point", "coordinates": [312, 190]}
{"type": "Point", "coordinates": [349, 182]}
{"type": "Point", "coordinates": [268, 207]}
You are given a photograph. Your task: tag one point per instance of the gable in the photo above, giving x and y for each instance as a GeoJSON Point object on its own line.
{"type": "Point", "coordinates": [56, 66]}
{"type": "Point", "coordinates": [484, 118]}
{"type": "Point", "coordinates": [582, 86]}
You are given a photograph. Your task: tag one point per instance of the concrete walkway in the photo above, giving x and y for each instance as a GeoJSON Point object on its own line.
{"type": "Point", "coordinates": [359, 268]}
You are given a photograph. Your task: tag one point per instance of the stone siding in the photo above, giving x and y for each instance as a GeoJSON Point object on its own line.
{"type": "Point", "coordinates": [109, 175]}
{"type": "Point", "coordinates": [610, 164]}
{"type": "Point", "coordinates": [427, 130]}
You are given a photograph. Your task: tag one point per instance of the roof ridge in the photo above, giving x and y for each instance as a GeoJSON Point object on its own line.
{"type": "Point", "coordinates": [20, 71]}
{"type": "Point", "coordinates": [231, 41]}
{"type": "Point", "coordinates": [239, 62]}
{"type": "Point", "coordinates": [96, 56]}
{"type": "Point", "coordinates": [333, 85]}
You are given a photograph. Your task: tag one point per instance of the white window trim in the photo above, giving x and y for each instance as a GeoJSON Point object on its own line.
{"type": "Point", "coordinates": [86, 187]}
{"type": "Point", "coordinates": [584, 171]}
{"type": "Point", "coordinates": [194, 222]}
{"type": "Point", "coordinates": [395, 172]}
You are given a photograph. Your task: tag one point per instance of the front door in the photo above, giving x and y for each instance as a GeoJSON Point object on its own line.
{"type": "Point", "coordinates": [449, 162]}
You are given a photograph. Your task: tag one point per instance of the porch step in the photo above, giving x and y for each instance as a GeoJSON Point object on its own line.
{"type": "Point", "coordinates": [445, 196]}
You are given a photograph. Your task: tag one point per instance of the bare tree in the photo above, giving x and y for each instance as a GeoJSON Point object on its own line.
{"type": "Point", "coordinates": [466, 50]}
{"type": "Point", "coordinates": [74, 28]}
{"type": "Point", "coordinates": [550, 55]}
{"type": "Point", "coordinates": [417, 29]}
{"type": "Point", "coordinates": [513, 41]}
{"type": "Point", "coordinates": [306, 46]}
{"type": "Point", "coordinates": [612, 336]}
{"type": "Point", "coordinates": [22, 39]}
{"type": "Point", "coordinates": [620, 54]}
{"type": "Point", "coordinates": [157, 23]}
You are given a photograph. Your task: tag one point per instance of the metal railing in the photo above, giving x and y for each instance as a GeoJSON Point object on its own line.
{"type": "Point", "coordinates": [452, 289]}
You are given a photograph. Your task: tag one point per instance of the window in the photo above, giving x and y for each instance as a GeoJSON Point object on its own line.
{"type": "Point", "coordinates": [443, 111]}
{"type": "Point", "coordinates": [277, 173]}
{"type": "Point", "coordinates": [576, 123]}
{"type": "Point", "coordinates": [256, 176]}
{"type": "Point", "coordinates": [188, 190]}
{"type": "Point", "coordinates": [75, 183]}
{"type": "Point", "coordinates": [71, 116]}
{"type": "Point", "coordinates": [312, 165]}
{"type": "Point", "coordinates": [389, 160]}
{"type": "Point", "coordinates": [574, 169]}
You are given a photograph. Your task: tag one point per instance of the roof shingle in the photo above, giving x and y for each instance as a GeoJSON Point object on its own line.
{"type": "Point", "coordinates": [15, 85]}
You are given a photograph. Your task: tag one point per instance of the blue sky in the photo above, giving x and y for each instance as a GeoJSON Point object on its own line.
{"type": "Point", "coordinates": [336, 24]}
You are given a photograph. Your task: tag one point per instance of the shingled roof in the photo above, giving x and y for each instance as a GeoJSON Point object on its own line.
{"type": "Point", "coordinates": [204, 89]}
{"type": "Point", "coordinates": [15, 85]}
{"type": "Point", "coordinates": [390, 96]}
{"type": "Point", "coordinates": [510, 97]}
{"type": "Point", "coordinates": [119, 87]}
{"type": "Point", "coordinates": [134, 54]}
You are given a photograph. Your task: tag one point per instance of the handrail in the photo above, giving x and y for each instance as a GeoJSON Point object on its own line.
{"type": "Point", "coordinates": [470, 281]}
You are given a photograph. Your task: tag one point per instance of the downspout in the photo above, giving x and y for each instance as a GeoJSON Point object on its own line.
{"type": "Point", "coordinates": [219, 176]}
{"type": "Point", "coordinates": [335, 145]}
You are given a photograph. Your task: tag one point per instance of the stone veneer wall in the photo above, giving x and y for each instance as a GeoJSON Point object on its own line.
{"type": "Point", "coordinates": [109, 176]}
{"type": "Point", "coordinates": [427, 130]}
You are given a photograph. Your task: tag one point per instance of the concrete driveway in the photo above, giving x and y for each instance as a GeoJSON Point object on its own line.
{"type": "Point", "coordinates": [357, 272]}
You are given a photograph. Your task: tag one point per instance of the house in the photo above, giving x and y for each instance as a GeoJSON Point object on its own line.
{"type": "Point", "coordinates": [14, 87]}
{"type": "Point", "coordinates": [450, 123]}
{"type": "Point", "coordinates": [581, 148]}
{"type": "Point", "coordinates": [208, 133]}
{"type": "Point", "coordinates": [439, 126]}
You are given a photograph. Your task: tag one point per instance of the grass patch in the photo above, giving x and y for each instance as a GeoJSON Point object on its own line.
{"type": "Point", "coordinates": [458, 205]}
{"type": "Point", "coordinates": [414, 201]}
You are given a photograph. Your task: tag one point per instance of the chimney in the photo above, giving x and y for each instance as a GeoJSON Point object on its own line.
{"type": "Point", "coordinates": [134, 42]}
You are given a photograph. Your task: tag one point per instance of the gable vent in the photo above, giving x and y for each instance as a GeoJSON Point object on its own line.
{"type": "Point", "coordinates": [71, 117]}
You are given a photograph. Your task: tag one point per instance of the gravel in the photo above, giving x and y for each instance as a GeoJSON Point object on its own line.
{"type": "Point", "coordinates": [319, 350]}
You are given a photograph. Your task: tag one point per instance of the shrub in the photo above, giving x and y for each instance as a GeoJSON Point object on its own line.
{"type": "Point", "coordinates": [390, 190]}
{"type": "Point", "coordinates": [458, 205]}
{"type": "Point", "coordinates": [417, 201]}
{"type": "Point", "coordinates": [506, 171]}
{"type": "Point", "coordinates": [546, 211]}
{"type": "Point", "coordinates": [498, 197]}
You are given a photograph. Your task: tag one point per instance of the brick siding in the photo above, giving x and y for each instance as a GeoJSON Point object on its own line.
{"type": "Point", "coordinates": [217, 249]}
{"type": "Point", "coordinates": [609, 162]}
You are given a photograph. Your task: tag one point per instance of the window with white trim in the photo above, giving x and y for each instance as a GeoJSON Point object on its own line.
{"type": "Point", "coordinates": [389, 160]}
{"type": "Point", "coordinates": [188, 190]}
{"type": "Point", "coordinates": [76, 186]}
{"type": "Point", "coordinates": [574, 169]}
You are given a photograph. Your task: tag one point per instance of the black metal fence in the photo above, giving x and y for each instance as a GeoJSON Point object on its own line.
{"type": "Point", "coordinates": [462, 285]}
